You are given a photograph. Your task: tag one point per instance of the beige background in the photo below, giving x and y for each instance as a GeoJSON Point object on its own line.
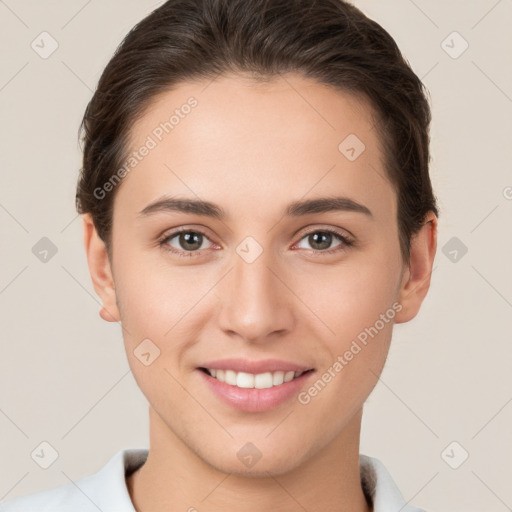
{"type": "Point", "coordinates": [64, 377]}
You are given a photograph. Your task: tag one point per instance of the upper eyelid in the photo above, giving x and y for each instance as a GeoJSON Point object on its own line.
{"type": "Point", "coordinates": [337, 231]}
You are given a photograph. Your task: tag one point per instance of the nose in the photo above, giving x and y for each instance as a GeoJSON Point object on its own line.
{"type": "Point", "coordinates": [255, 303]}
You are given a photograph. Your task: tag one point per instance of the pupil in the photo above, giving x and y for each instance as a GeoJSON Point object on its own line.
{"type": "Point", "coordinates": [189, 239]}
{"type": "Point", "coordinates": [320, 244]}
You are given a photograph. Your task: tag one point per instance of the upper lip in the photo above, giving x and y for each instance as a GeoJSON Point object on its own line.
{"type": "Point", "coordinates": [255, 367]}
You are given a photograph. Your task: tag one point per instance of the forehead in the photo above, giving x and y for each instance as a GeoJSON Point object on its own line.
{"type": "Point", "coordinates": [289, 135]}
{"type": "Point", "coordinates": [280, 109]}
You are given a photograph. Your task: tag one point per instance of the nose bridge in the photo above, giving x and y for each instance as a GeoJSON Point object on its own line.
{"type": "Point", "coordinates": [254, 302]}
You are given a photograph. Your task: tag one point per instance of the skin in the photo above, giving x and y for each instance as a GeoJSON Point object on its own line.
{"type": "Point", "coordinates": [253, 148]}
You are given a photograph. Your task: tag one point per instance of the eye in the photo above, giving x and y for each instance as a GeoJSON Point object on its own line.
{"type": "Point", "coordinates": [185, 242]}
{"type": "Point", "coordinates": [321, 239]}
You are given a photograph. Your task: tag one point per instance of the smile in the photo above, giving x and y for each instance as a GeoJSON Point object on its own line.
{"type": "Point", "coordinates": [251, 380]}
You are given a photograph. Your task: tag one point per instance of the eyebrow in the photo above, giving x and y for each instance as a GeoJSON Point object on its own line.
{"type": "Point", "coordinates": [295, 209]}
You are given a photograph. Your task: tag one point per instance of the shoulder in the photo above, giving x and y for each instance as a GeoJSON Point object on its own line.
{"type": "Point", "coordinates": [379, 486]}
{"type": "Point", "coordinates": [104, 490]}
{"type": "Point", "coordinates": [58, 499]}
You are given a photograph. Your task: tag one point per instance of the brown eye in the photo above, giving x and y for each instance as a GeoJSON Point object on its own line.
{"type": "Point", "coordinates": [190, 241]}
{"type": "Point", "coordinates": [185, 242]}
{"type": "Point", "coordinates": [321, 241]}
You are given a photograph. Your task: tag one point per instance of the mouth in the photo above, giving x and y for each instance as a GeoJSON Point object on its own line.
{"type": "Point", "coordinates": [247, 380]}
{"type": "Point", "coordinates": [251, 385]}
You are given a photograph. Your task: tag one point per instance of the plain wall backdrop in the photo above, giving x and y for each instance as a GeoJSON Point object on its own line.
{"type": "Point", "coordinates": [446, 389]}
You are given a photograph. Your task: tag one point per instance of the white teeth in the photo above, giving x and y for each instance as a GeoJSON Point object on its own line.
{"type": "Point", "coordinates": [277, 378]}
{"type": "Point", "coordinates": [244, 380]}
{"type": "Point", "coordinates": [263, 380]}
{"type": "Point", "coordinates": [250, 380]}
{"type": "Point", "coordinates": [288, 376]}
{"type": "Point", "coordinates": [230, 377]}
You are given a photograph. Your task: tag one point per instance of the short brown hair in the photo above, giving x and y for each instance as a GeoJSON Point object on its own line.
{"type": "Point", "coordinates": [330, 41]}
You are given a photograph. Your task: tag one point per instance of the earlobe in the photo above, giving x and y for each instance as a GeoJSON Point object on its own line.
{"type": "Point", "coordinates": [100, 270]}
{"type": "Point", "coordinates": [416, 279]}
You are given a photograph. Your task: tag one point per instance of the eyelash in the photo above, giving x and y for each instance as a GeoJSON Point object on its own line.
{"type": "Point", "coordinates": [163, 242]}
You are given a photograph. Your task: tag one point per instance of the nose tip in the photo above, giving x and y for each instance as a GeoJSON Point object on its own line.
{"type": "Point", "coordinates": [254, 303]}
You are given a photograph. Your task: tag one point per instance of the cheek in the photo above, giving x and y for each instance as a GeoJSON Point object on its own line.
{"type": "Point", "coordinates": [164, 304]}
{"type": "Point", "coordinates": [153, 296]}
{"type": "Point", "coordinates": [359, 307]}
{"type": "Point", "coordinates": [156, 327]}
{"type": "Point", "coordinates": [352, 297]}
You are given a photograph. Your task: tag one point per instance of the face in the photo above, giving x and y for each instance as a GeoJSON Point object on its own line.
{"type": "Point", "coordinates": [267, 284]}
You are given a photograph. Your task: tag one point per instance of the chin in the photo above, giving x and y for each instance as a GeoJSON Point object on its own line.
{"type": "Point", "coordinates": [262, 469]}
{"type": "Point", "coordinates": [271, 464]}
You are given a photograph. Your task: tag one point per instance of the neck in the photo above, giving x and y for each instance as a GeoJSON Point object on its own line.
{"type": "Point", "coordinates": [175, 478]}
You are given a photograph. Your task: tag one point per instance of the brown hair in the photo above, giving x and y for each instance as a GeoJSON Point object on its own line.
{"type": "Point", "coordinates": [330, 41]}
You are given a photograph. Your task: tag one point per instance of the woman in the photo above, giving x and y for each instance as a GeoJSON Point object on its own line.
{"type": "Point", "coordinates": [257, 215]}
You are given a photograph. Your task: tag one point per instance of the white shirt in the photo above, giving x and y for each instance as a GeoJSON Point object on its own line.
{"type": "Point", "coordinates": [106, 490]}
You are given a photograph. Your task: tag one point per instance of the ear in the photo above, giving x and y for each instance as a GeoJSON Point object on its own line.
{"type": "Point", "coordinates": [100, 270]}
{"type": "Point", "coordinates": [416, 278]}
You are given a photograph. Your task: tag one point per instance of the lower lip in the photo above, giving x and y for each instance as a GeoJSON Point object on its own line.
{"type": "Point", "coordinates": [252, 399]}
